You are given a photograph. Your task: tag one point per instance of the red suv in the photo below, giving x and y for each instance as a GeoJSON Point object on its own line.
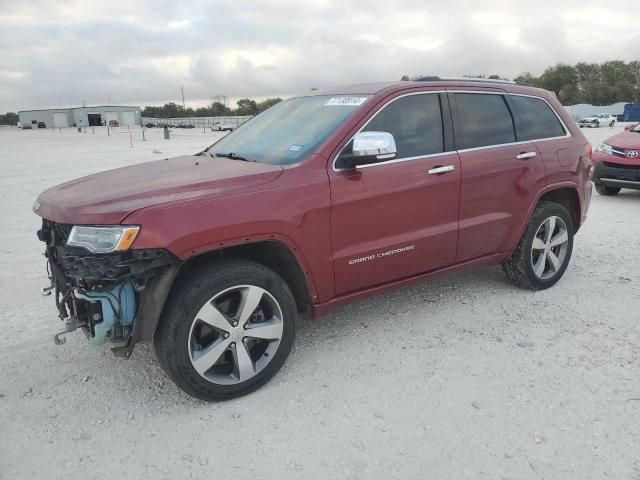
{"type": "Point", "coordinates": [323, 199]}
{"type": "Point", "coordinates": [617, 162]}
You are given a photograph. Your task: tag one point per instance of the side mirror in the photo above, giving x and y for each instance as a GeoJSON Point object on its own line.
{"type": "Point", "coordinates": [370, 147]}
{"type": "Point", "coordinates": [630, 126]}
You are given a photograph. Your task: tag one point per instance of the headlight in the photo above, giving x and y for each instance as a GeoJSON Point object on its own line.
{"type": "Point", "coordinates": [102, 239]}
{"type": "Point", "coordinates": [604, 148]}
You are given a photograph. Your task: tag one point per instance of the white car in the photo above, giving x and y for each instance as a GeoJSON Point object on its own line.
{"type": "Point", "coordinates": [223, 126]}
{"type": "Point", "coordinates": [597, 120]}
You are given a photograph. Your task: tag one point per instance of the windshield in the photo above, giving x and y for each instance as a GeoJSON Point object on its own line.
{"type": "Point", "coordinates": [290, 130]}
{"type": "Point", "coordinates": [636, 128]}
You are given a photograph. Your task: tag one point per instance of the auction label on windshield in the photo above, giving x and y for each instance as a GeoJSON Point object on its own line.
{"type": "Point", "coordinates": [350, 101]}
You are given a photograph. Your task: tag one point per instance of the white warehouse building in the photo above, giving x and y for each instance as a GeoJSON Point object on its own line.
{"type": "Point", "coordinates": [81, 116]}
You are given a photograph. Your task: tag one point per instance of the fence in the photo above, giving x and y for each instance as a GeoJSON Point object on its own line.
{"type": "Point", "coordinates": [196, 121]}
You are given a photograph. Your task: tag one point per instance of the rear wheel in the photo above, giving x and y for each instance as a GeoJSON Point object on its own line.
{"type": "Point", "coordinates": [607, 191]}
{"type": "Point", "coordinates": [227, 330]}
{"type": "Point", "coordinates": [543, 253]}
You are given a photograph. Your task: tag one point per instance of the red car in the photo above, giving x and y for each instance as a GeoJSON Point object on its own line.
{"type": "Point", "coordinates": [616, 162]}
{"type": "Point", "coordinates": [323, 199]}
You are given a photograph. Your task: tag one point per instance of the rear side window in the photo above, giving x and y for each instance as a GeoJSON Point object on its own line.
{"type": "Point", "coordinates": [482, 120]}
{"type": "Point", "coordinates": [415, 121]}
{"type": "Point", "coordinates": [534, 119]}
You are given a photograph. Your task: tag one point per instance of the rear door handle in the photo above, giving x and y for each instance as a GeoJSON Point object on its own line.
{"type": "Point", "coordinates": [526, 155]}
{"type": "Point", "coordinates": [441, 170]}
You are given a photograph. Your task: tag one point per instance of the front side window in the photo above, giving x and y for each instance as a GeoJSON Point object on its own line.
{"type": "Point", "coordinates": [290, 130]}
{"type": "Point", "coordinates": [415, 121]}
{"type": "Point", "coordinates": [482, 120]}
{"type": "Point", "coordinates": [534, 119]}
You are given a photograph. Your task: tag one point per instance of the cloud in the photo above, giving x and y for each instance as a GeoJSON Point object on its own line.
{"type": "Point", "coordinates": [66, 52]}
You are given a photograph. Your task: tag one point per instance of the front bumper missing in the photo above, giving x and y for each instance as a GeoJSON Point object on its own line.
{"type": "Point", "coordinates": [114, 298]}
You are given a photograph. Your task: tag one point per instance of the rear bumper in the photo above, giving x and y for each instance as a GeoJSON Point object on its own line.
{"type": "Point", "coordinates": [617, 175]}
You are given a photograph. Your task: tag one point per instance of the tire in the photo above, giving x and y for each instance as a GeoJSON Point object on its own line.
{"type": "Point", "coordinates": [612, 123]}
{"type": "Point", "coordinates": [185, 343]}
{"type": "Point", "coordinates": [607, 191]}
{"type": "Point", "coordinates": [596, 124]}
{"type": "Point", "coordinates": [536, 248]}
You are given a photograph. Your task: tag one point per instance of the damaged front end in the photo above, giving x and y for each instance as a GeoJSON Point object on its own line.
{"type": "Point", "coordinates": [115, 297]}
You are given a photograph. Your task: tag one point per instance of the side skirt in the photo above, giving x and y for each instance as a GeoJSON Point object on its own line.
{"type": "Point", "coordinates": [321, 309]}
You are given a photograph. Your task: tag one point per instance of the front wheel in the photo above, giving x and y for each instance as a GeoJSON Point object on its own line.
{"type": "Point", "coordinates": [607, 191]}
{"type": "Point", "coordinates": [226, 330]}
{"type": "Point", "coordinates": [543, 253]}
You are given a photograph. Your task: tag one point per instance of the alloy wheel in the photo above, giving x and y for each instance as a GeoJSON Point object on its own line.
{"type": "Point", "coordinates": [549, 248]}
{"type": "Point", "coordinates": [235, 334]}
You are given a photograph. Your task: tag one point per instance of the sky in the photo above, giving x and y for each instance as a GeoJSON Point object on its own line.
{"type": "Point", "coordinates": [63, 52]}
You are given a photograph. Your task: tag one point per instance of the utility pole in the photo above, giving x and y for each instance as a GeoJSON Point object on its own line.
{"type": "Point", "coordinates": [182, 90]}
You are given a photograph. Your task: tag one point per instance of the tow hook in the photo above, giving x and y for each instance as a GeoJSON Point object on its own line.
{"type": "Point", "coordinates": [70, 326]}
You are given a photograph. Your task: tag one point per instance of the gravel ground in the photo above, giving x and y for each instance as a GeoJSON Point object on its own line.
{"type": "Point", "coordinates": [461, 377]}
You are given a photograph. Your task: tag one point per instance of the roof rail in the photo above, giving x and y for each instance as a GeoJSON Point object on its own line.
{"type": "Point", "coordinates": [434, 78]}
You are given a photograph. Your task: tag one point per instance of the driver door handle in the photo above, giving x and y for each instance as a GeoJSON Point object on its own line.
{"type": "Point", "coordinates": [526, 155]}
{"type": "Point", "coordinates": [441, 170]}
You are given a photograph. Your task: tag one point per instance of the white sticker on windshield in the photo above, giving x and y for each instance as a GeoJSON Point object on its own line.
{"type": "Point", "coordinates": [295, 148]}
{"type": "Point", "coordinates": [350, 101]}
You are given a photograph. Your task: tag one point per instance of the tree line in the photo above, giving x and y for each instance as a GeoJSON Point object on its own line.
{"type": "Point", "coordinates": [244, 107]}
{"type": "Point", "coordinates": [595, 83]}
{"type": "Point", "coordinates": [9, 118]}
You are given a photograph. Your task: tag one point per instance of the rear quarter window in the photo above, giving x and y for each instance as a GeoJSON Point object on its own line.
{"type": "Point", "coordinates": [482, 120]}
{"type": "Point", "coordinates": [534, 119]}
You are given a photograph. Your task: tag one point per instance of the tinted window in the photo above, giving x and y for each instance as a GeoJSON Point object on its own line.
{"type": "Point", "coordinates": [482, 120]}
{"type": "Point", "coordinates": [415, 122]}
{"type": "Point", "coordinates": [534, 119]}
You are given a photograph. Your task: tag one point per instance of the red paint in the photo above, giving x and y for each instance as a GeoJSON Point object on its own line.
{"type": "Point", "coordinates": [471, 216]}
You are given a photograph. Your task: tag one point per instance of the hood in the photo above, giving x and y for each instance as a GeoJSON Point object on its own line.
{"type": "Point", "coordinates": [106, 198]}
{"type": "Point", "coordinates": [625, 140]}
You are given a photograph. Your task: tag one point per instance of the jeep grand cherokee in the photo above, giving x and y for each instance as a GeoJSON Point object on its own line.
{"type": "Point", "coordinates": [323, 199]}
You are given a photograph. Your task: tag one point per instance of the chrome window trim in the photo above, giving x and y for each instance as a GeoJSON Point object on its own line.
{"type": "Point", "coordinates": [398, 160]}
{"type": "Point", "coordinates": [448, 152]}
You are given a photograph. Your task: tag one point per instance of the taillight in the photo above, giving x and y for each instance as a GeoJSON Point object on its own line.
{"type": "Point", "coordinates": [588, 160]}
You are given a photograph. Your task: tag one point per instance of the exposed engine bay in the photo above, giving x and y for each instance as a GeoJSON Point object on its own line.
{"type": "Point", "coordinates": [100, 293]}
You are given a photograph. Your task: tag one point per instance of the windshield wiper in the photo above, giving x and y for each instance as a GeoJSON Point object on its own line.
{"type": "Point", "coordinates": [233, 156]}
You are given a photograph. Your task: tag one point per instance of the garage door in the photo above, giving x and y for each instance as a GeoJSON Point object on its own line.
{"type": "Point", "coordinates": [109, 116]}
{"type": "Point", "coordinates": [60, 120]}
{"type": "Point", "coordinates": [128, 118]}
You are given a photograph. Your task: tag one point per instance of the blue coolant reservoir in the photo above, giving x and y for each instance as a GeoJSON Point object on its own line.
{"type": "Point", "coordinates": [118, 310]}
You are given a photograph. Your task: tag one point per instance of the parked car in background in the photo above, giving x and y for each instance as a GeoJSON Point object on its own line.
{"type": "Point", "coordinates": [26, 126]}
{"type": "Point", "coordinates": [616, 162]}
{"type": "Point", "coordinates": [185, 125]}
{"type": "Point", "coordinates": [150, 125]}
{"type": "Point", "coordinates": [223, 126]}
{"type": "Point", "coordinates": [320, 200]}
{"type": "Point", "coordinates": [42, 125]}
{"type": "Point", "coordinates": [114, 123]}
{"type": "Point", "coordinates": [597, 120]}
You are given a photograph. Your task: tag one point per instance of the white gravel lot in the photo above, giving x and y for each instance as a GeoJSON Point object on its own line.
{"type": "Point", "coordinates": [464, 377]}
